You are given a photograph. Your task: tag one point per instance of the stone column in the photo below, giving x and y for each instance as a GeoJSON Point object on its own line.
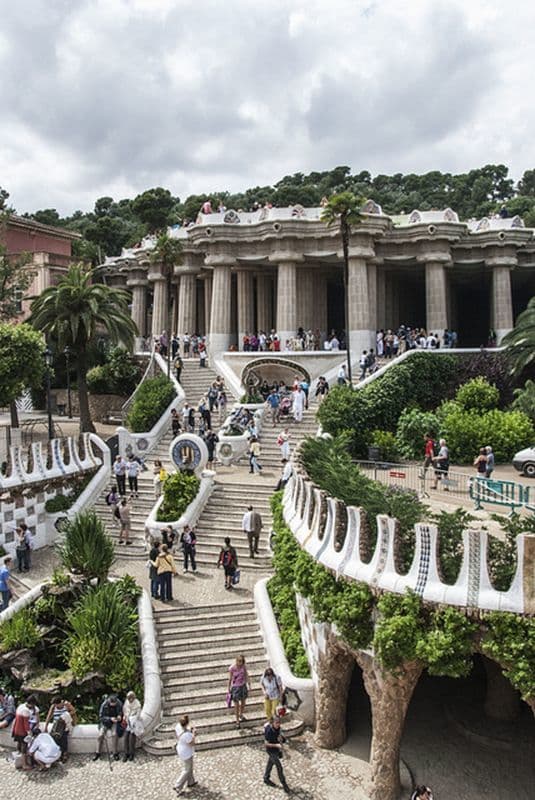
{"type": "Point", "coordinates": [207, 304]}
{"type": "Point", "coordinates": [139, 309]}
{"type": "Point", "coordinates": [502, 302]}
{"type": "Point", "coordinates": [436, 302]}
{"type": "Point", "coordinates": [320, 305]}
{"type": "Point", "coordinates": [286, 301]}
{"type": "Point", "coordinates": [159, 305]}
{"type": "Point", "coordinates": [359, 326]}
{"type": "Point", "coordinates": [372, 295]}
{"type": "Point", "coordinates": [187, 304]}
{"type": "Point", "coordinates": [305, 298]}
{"type": "Point", "coordinates": [381, 299]}
{"type": "Point", "coordinates": [220, 331]}
{"type": "Point", "coordinates": [264, 305]}
{"type": "Point", "coordinates": [245, 305]}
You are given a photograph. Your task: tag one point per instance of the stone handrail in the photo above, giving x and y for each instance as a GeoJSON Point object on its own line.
{"type": "Point", "coordinates": [331, 532]}
{"type": "Point", "coordinates": [143, 443]}
{"type": "Point", "coordinates": [303, 687]}
{"type": "Point", "coordinates": [83, 738]}
{"type": "Point", "coordinates": [29, 481]}
{"type": "Point", "coordinates": [192, 513]}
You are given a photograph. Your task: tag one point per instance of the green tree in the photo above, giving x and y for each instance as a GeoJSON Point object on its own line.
{"type": "Point", "coordinates": [344, 210]}
{"type": "Point", "coordinates": [520, 342]}
{"type": "Point", "coordinates": [15, 279]}
{"type": "Point", "coordinates": [72, 311]}
{"type": "Point", "coordinates": [167, 253]}
{"type": "Point", "coordinates": [154, 207]}
{"type": "Point", "coordinates": [21, 361]}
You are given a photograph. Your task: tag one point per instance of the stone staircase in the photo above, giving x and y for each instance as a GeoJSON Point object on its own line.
{"type": "Point", "coordinates": [196, 647]}
{"type": "Point", "coordinates": [270, 451]}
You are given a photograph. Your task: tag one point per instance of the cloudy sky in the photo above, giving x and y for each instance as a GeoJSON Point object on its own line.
{"type": "Point", "coordinates": [110, 97]}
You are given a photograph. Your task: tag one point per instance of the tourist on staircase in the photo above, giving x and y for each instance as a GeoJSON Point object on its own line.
{"type": "Point", "coordinates": [160, 476]}
{"type": "Point", "coordinates": [254, 455]}
{"type": "Point", "coordinates": [272, 690]}
{"type": "Point", "coordinates": [273, 401]}
{"type": "Point", "coordinates": [210, 439]}
{"type": "Point", "coordinates": [133, 469]}
{"type": "Point", "coordinates": [175, 423]}
{"type": "Point", "coordinates": [165, 567]}
{"type": "Point", "coordinates": [298, 404]}
{"type": "Point", "coordinates": [322, 389]}
{"type": "Point", "coordinates": [238, 687]}
{"type": "Point", "coordinates": [283, 440]}
{"type": "Point", "coordinates": [228, 559]}
{"type": "Point", "coordinates": [252, 525]}
{"type": "Point", "coordinates": [124, 516]}
{"type": "Point", "coordinates": [119, 471]}
{"type": "Point", "coordinates": [188, 540]}
{"type": "Point", "coordinates": [112, 500]}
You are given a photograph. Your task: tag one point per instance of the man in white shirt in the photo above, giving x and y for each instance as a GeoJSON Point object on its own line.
{"type": "Point", "coordinates": [43, 749]}
{"type": "Point", "coordinates": [119, 471]}
{"type": "Point", "coordinates": [185, 748]}
{"type": "Point", "coordinates": [342, 376]}
{"type": "Point", "coordinates": [252, 525]}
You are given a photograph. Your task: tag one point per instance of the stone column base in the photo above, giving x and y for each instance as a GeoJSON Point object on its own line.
{"type": "Point", "coordinates": [359, 341]}
{"type": "Point", "coordinates": [218, 343]}
{"type": "Point", "coordinates": [283, 336]}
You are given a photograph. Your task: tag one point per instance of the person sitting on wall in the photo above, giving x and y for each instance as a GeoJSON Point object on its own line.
{"type": "Point", "coordinates": [7, 708]}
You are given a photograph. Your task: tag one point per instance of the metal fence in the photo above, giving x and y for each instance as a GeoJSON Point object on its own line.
{"type": "Point", "coordinates": [426, 483]}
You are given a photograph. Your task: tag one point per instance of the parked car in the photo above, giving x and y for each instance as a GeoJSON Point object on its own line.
{"type": "Point", "coordinates": [524, 461]}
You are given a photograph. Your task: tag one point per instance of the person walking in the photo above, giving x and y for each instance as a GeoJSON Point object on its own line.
{"type": "Point", "coordinates": [165, 567]}
{"type": "Point", "coordinates": [160, 476]}
{"type": "Point", "coordinates": [254, 455]}
{"type": "Point", "coordinates": [442, 464]}
{"type": "Point", "coordinates": [26, 715]}
{"type": "Point", "coordinates": [178, 365]}
{"type": "Point", "coordinates": [112, 500]}
{"type": "Point", "coordinates": [188, 540]}
{"type": "Point", "coordinates": [298, 403]}
{"type": "Point", "coordinates": [202, 356]}
{"type": "Point", "coordinates": [124, 516]}
{"type": "Point", "coordinates": [228, 559]}
{"type": "Point", "coordinates": [363, 364]}
{"type": "Point", "coordinates": [185, 749]}
{"type": "Point", "coordinates": [211, 439]}
{"type": "Point", "coordinates": [252, 525]}
{"type": "Point", "coordinates": [131, 713]}
{"type": "Point", "coordinates": [341, 377]}
{"type": "Point", "coordinates": [283, 441]}
{"type": "Point", "coordinates": [429, 452]}
{"type": "Point", "coordinates": [119, 471]}
{"type": "Point", "coordinates": [272, 690]}
{"type": "Point", "coordinates": [273, 741]}
{"type": "Point", "coordinates": [175, 422]}
{"type": "Point", "coordinates": [490, 462]}
{"type": "Point", "coordinates": [5, 588]}
{"type": "Point", "coordinates": [133, 468]}
{"type": "Point", "coordinates": [322, 389]}
{"type": "Point", "coordinates": [238, 687]}
{"type": "Point", "coordinates": [273, 402]}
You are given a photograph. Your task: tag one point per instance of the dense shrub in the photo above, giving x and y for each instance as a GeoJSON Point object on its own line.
{"type": "Point", "coordinates": [20, 632]}
{"type": "Point", "coordinates": [386, 442]}
{"type": "Point", "coordinates": [477, 395]}
{"type": "Point", "coordinates": [412, 425]}
{"type": "Point", "coordinates": [86, 548]}
{"type": "Point", "coordinates": [62, 502]}
{"type": "Point", "coordinates": [179, 490]}
{"type": "Point", "coordinates": [151, 401]}
{"type": "Point", "coordinates": [450, 541]}
{"type": "Point", "coordinates": [58, 503]}
{"type": "Point", "coordinates": [103, 636]}
{"type": "Point", "coordinates": [119, 375]}
{"type": "Point", "coordinates": [467, 431]}
{"type": "Point", "coordinates": [525, 400]}
{"type": "Point", "coordinates": [490, 365]}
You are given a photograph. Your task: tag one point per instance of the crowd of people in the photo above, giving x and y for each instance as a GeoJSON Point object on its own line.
{"type": "Point", "coordinates": [393, 342]}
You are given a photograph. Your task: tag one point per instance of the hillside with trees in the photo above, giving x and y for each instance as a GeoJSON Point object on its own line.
{"type": "Point", "coordinates": [114, 224]}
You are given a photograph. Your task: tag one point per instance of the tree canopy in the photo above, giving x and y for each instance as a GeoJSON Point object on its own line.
{"type": "Point", "coordinates": [21, 361]}
{"type": "Point", "coordinates": [113, 224]}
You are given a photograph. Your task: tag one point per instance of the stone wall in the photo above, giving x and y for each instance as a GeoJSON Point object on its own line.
{"type": "Point", "coordinates": [102, 406]}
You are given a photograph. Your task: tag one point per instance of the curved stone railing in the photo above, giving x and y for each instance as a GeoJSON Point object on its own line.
{"type": "Point", "coordinates": [336, 540]}
{"type": "Point", "coordinates": [84, 737]}
{"type": "Point", "coordinates": [190, 516]}
{"type": "Point", "coordinates": [143, 443]}
{"type": "Point", "coordinates": [27, 486]}
{"type": "Point", "coordinates": [303, 688]}
{"type": "Point", "coordinates": [230, 449]}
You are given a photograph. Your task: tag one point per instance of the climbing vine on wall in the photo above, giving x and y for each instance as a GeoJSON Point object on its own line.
{"type": "Point", "coordinates": [510, 640]}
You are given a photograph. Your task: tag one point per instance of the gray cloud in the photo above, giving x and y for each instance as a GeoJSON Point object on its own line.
{"type": "Point", "coordinates": [113, 96]}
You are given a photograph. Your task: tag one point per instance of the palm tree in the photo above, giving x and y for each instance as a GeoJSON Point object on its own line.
{"type": "Point", "coordinates": [343, 209]}
{"type": "Point", "coordinates": [73, 311]}
{"type": "Point", "coordinates": [167, 253]}
{"type": "Point", "coordinates": [520, 342]}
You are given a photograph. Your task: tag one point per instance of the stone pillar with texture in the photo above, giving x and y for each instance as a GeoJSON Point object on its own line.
{"type": "Point", "coordinates": [207, 288]}
{"type": "Point", "coordinates": [220, 319]}
{"type": "Point", "coordinates": [502, 301]}
{"type": "Point", "coordinates": [245, 305]}
{"type": "Point", "coordinates": [360, 310]}
{"type": "Point", "coordinates": [381, 299]}
{"type": "Point", "coordinates": [286, 301]}
{"type": "Point", "coordinates": [436, 301]}
{"type": "Point", "coordinates": [320, 305]}
{"type": "Point", "coordinates": [159, 305]}
{"type": "Point", "coordinates": [264, 303]}
{"type": "Point", "coordinates": [305, 298]}
{"type": "Point", "coordinates": [139, 309]}
{"type": "Point", "coordinates": [187, 304]}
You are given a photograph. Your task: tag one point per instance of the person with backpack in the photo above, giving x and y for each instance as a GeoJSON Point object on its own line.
{"type": "Point", "coordinates": [110, 716]}
{"type": "Point", "coordinates": [59, 722]}
{"type": "Point", "coordinates": [228, 559]}
{"type": "Point", "coordinates": [188, 540]}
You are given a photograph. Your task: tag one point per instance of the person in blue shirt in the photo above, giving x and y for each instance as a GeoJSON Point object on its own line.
{"type": "Point", "coordinates": [5, 591]}
{"type": "Point", "coordinates": [273, 401]}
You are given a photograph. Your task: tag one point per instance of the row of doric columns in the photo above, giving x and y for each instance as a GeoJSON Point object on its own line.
{"type": "Point", "coordinates": [296, 295]}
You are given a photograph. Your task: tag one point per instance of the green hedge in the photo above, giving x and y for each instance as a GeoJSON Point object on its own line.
{"type": "Point", "coordinates": [151, 401]}
{"type": "Point", "coordinates": [179, 490]}
{"type": "Point", "coordinates": [119, 375]}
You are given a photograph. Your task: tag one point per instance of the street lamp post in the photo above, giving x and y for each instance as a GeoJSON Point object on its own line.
{"type": "Point", "coordinates": [48, 361]}
{"type": "Point", "coordinates": [67, 353]}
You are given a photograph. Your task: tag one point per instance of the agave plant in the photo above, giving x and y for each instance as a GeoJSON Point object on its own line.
{"type": "Point", "coordinates": [86, 548]}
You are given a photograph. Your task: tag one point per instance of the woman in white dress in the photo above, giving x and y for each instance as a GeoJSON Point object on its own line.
{"type": "Point", "coordinates": [298, 405]}
{"type": "Point", "coordinates": [283, 440]}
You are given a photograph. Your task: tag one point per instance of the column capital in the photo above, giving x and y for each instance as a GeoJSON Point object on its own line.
{"type": "Point", "coordinates": [363, 251]}
{"type": "Point", "coordinates": [444, 259]}
{"type": "Point", "coordinates": [219, 261]}
{"type": "Point", "coordinates": [285, 257]}
{"type": "Point", "coordinates": [504, 260]}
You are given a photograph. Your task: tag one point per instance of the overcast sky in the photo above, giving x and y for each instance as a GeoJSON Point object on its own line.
{"type": "Point", "coordinates": [110, 97]}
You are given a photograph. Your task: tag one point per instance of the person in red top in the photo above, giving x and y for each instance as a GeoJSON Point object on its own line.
{"type": "Point", "coordinates": [429, 451]}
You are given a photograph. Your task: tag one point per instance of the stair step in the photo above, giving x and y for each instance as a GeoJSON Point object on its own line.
{"type": "Point", "coordinates": [189, 683]}
{"type": "Point", "coordinates": [195, 611]}
{"type": "Point", "coordinates": [236, 635]}
{"type": "Point", "coordinates": [210, 709]}
{"type": "Point", "coordinates": [247, 627]}
{"type": "Point", "coordinates": [214, 654]}
{"type": "Point", "coordinates": [206, 620]}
